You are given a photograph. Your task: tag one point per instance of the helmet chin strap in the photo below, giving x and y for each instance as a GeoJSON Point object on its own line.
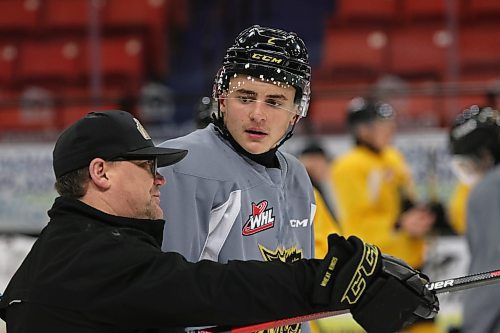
{"type": "Point", "coordinates": [289, 134]}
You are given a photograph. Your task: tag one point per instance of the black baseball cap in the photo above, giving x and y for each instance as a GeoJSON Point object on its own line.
{"type": "Point", "coordinates": [108, 135]}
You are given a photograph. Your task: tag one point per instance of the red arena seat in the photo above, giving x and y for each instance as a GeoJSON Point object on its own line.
{"type": "Point", "coordinates": [68, 14]}
{"type": "Point", "coordinates": [353, 52]}
{"type": "Point", "coordinates": [58, 59]}
{"type": "Point", "coordinates": [9, 53]}
{"type": "Point", "coordinates": [132, 13]}
{"type": "Point", "coordinates": [19, 15]}
{"type": "Point", "coordinates": [366, 11]}
{"type": "Point", "coordinates": [419, 51]}
{"type": "Point", "coordinates": [480, 48]}
{"type": "Point", "coordinates": [121, 57]}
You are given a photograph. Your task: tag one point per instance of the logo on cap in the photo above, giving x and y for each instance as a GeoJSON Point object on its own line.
{"type": "Point", "coordinates": [142, 130]}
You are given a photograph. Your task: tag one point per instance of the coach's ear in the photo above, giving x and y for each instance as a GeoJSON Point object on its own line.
{"type": "Point", "coordinates": [98, 171]}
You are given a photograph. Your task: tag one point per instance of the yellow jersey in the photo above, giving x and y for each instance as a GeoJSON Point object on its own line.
{"type": "Point", "coordinates": [368, 190]}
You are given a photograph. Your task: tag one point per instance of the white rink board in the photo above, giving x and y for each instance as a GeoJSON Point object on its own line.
{"type": "Point", "coordinates": [26, 186]}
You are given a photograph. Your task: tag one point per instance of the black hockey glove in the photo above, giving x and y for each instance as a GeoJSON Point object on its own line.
{"type": "Point", "coordinates": [383, 293]}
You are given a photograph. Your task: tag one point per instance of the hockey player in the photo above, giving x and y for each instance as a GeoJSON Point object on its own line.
{"type": "Point", "coordinates": [475, 149]}
{"type": "Point", "coordinates": [236, 196]}
{"type": "Point", "coordinates": [374, 190]}
{"type": "Point", "coordinates": [98, 267]}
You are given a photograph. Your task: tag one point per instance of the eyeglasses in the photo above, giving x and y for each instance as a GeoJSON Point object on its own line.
{"type": "Point", "coordinates": [149, 165]}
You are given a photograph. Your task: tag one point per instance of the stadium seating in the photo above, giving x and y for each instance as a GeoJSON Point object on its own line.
{"type": "Point", "coordinates": [352, 53]}
{"type": "Point", "coordinates": [419, 51]}
{"type": "Point", "coordinates": [480, 48]}
{"type": "Point", "coordinates": [374, 11]}
{"type": "Point", "coordinates": [68, 15]}
{"type": "Point", "coordinates": [19, 15]}
{"type": "Point", "coordinates": [418, 10]}
{"type": "Point", "coordinates": [29, 109]}
{"type": "Point", "coordinates": [132, 14]}
{"type": "Point", "coordinates": [484, 9]}
{"type": "Point", "coordinates": [328, 113]}
{"type": "Point", "coordinates": [52, 59]}
{"type": "Point", "coordinates": [46, 43]}
{"type": "Point", "coordinates": [418, 110]}
{"type": "Point", "coordinates": [9, 52]}
{"type": "Point", "coordinates": [121, 58]}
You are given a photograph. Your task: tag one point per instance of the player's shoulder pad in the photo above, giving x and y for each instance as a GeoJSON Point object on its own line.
{"type": "Point", "coordinates": [206, 157]}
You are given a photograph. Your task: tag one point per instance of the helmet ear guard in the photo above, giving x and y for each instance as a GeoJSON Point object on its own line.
{"type": "Point", "coordinates": [271, 55]}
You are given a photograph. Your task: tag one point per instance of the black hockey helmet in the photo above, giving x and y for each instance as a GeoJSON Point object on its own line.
{"type": "Point", "coordinates": [476, 130]}
{"type": "Point", "coordinates": [362, 110]}
{"type": "Point", "coordinates": [272, 55]}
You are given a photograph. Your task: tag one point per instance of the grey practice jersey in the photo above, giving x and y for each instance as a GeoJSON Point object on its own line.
{"type": "Point", "coordinates": [220, 205]}
{"type": "Point", "coordinates": [481, 308]}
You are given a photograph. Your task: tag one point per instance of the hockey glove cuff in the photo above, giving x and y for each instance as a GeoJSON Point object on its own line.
{"type": "Point", "coordinates": [347, 270]}
{"type": "Point", "coordinates": [383, 293]}
{"type": "Point", "coordinates": [396, 299]}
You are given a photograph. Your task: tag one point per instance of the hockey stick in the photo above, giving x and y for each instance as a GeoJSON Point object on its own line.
{"type": "Point", "coordinates": [440, 287]}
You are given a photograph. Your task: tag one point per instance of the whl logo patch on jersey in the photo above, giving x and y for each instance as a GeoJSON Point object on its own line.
{"type": "Point", "coordinates": [261, 219]}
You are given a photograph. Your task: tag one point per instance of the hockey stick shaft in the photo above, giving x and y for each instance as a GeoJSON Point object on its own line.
{"type": "Point", "coordinates": [440, 287]}
{"type": "Point", "coordinates": [465, 282]}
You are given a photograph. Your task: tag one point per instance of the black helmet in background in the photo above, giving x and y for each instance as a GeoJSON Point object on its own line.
{"type": "Point", "coordinates": [363, 110]}
{"type": "Point", "coordinates": [475, 132]}
{"type": "Point", "coordinates": [474, 143]}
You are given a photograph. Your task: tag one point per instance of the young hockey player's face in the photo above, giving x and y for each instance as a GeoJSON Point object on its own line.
{"type": "Point", "coordinates": [256, 113]}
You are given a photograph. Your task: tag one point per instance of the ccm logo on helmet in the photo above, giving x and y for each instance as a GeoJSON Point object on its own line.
{"type": "Point", "coordinates": [266, 58]}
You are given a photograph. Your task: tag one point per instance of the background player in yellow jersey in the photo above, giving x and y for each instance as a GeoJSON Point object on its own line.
{"type": "Point", "coordinates": [373, 188]}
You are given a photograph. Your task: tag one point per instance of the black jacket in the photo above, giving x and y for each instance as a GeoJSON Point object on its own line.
{"type": "Point", "coordinates": [94, 272]}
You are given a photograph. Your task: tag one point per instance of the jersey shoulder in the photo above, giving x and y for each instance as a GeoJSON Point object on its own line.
{"type": "Point", "coordinates": [487, 187]}
{"type": "Point", "coordinates": [209, 156]}
{"type": "Point", "coordinates": [292, 162]}
{"type": "Point", "coordinates": [394, 155]}
{"type": "Point", "coordinates": [297, 179]}
{"type": "Point", "coordinates": [355, 158]}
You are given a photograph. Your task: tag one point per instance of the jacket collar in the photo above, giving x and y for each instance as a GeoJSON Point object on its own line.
{"type": "Point", "coordinates": [71, 206]}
